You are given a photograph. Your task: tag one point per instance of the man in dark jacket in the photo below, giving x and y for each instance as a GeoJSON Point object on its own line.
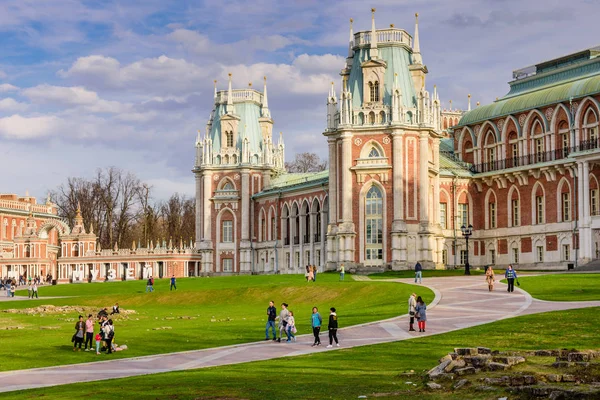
{"type": "Point", "coordinates": [418, 272]}
{"type": "Point", "coordinates": [271, 316]}
{"type": "Point", "coordinates": [332, 326]}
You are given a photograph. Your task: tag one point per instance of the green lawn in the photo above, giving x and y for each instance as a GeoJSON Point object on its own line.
{"type": "Point", "coordinates": [348, 373]}
{"type": "Point", "coordinates": [221, 311]}
{"type": "Point", "coordinates": [430, 273]}
{"type": "Point", "coordinates": [562, 287]}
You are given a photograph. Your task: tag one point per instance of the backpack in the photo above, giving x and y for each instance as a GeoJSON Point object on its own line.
{"type": "Point", "coordinates": [111, 334]}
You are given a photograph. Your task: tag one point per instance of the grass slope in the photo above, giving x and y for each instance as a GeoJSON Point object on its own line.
{"type": "Point", "coordinates": [562, 287]}
{"type": "Point", "coordinates": [347, 373]}
{"type": "Point", "coordinates": [238, 305]}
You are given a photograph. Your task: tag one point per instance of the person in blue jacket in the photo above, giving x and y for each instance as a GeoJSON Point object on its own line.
{"type": "Point", "coordinates": [316, 322]}
{"type": "Point", "coordinates": [510, 274]}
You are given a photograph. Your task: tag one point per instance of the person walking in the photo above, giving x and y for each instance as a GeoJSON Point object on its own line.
{"type": "Point", "coordinates": [13, 289]}
{"type": "Point", "coordinates": [342, 272]}
{"type": "Point", "coordinates": [173, 282]}
{"type": "Point", "coordinates": [35, 291]}
{"type": "Point", "coordinates": [89, 333]}
{"type": "Point", "coordinates": [307, 273]}
{"type": "Point", "coordinates": [291, 328]}
{"type": "Point", "coordinates": [149, 287]}
{"type": "Point", "coordinates": [510, 274]}
{"type": "Point", "coordinates": [316, 322]}
{"type": "Point", "coordinates": [421, 313]}
{"type": "Point", "coordinates": [79, 330]}
{"type": "Point", "coordinates": [490, 278]}
{"type": "Point", "coordinates": [29, 291]}
{"type": "Point", "coordinates": [418, 272]}
{"type": "Point", "coordinates": [412, 305]}
{"type": "Point", "coordinates": [332, 327]}
{"type": "Point", "coordinates": [283, 320]}
{"type": "Point", "coordinates": [315, 269]}
{"type": "Point", "coordinates": [109, 334]}
{"type": "Point", "coordinates": [311, 274]}
{"type": "Point", "coordinates": [271, 317]}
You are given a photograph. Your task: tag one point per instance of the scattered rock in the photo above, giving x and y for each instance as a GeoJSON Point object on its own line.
{"type": "Point", "coordinates": [433, 385]}
{"type": "Point", "coordinates": [530, 379]}
{"type": "Point", "coordinates": [10, 328]}
{"type": "Point", "coordinates": [562, 364]}
{"type": "Point", "coordinates": [495, 366]}
{"type": "Point", "coordinates": [568, 378]}
{"type": "Point", "coordinates": [461, 383]}
{"type": "Point", "coordinates": [465, 371]}
{"type": "Point", "coordinates": [484, 350]}
{"type": "Point", "coordinates": [454, 364]}
{"type": "Point", "coordinates": [437, 370]}
{"type": "Point", "coordinates": [553, 378]}
{"type": "Point", "coordinates": [49, 327]}
{"type": "Point", "coordinates": [466, 351]}
{"type": "Point", "coordinates": [503, 381]}
{"type": "Point", "coordinates": [578, 357]}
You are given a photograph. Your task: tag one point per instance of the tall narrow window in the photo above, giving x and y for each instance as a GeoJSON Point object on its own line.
{"type": "Point", "coordinates": [539, 150]}
{"type": "Point", "coordinates": [539, 207]}
{"type": "Point", "coordinates": [263, 226]}
{"type": "Point", "coordinates": [491, 155]}
{"type": "Point", "coordinates": [273, 228]}
{"type": "Point", "coordinates": [374, 153]}
{"type": "Point", "coordinates": [463, 214]}
{"type": "Point", "coordinates": [372, 92]}
{"type": "Point", "coordinates": [540, 253]}
{"type": "Point", "coordinates": [227, 231]}
{"type": "Point", "coordinates": [565, 144]}
{"type": "Point", "coordinates": [492, 256]}
{"type": "Point", "coordinates": [463, 257]}
{"type": "Point", "coordinates": [566, 252]}
{"type": "Point", "coordinates": [229, 138]}
{"type": "Point", "coordinates": [594, 136]}
{"type": "Point", "coordinates": [376, 89]}
{"type": "Point", "coordinates": [515, 257]}
{"type": "Point", "coordinates": [492, 213]}
{"type": "Point", "coordinates": [594, 202]}
{"type": "Point", "coordinates": [566, 207]}
{"type": "Point", "coordinates": [516, 221]}
{"type": "Point", "coordinates": [515, 151]}
{"type": "Point", "coordinates": [227, 265]}
{"type": "Point", "coordinates": [443, 212]}
{"type": "Point", "coordinates": [374, 225]}
{"type": "Point", "coordinates": [444, 256]}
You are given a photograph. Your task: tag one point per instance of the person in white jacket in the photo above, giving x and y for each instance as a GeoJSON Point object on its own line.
{"type": "Point", "coordinates": [412, 303]}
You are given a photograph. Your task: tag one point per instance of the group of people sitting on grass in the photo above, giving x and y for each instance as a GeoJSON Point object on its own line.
{"type": "Point", "coordinates": [287, 324]}
{"type": "Point", "coordinates": [84, 330]}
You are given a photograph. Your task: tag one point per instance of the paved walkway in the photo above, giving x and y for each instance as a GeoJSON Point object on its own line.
{"type": "Point", "coordinates": [458, 304]}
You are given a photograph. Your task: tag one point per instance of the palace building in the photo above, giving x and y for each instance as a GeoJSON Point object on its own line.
{"type": "Point", "coordinates": [405, 175]}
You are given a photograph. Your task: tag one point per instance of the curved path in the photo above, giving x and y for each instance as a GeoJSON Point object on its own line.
{"type": "Point", "coordinates": [457, 305]}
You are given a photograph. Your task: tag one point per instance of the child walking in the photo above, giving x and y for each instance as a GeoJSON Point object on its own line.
{"type": "Point", "coordinates": [316, 322]}
{"type": "Point", "coordinates": [332, 326]}
{"type": "Point", "coordinates": [421, 315]}
{"type": "Point", "coordinates": [98, 340]}
{"type": "Point", "coordinates": [291, 328]}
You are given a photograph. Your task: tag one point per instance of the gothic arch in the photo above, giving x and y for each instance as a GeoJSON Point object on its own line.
{"type": "Point", "coordinates": [553, 121]}
{"type": "Point", "coordinates": [484, 130]}
{"type": "Point", "coordinates": [489, 196]}
{"type": "Point", "coordinates": [272, 214]}
{"type": "Point", "coordinates": [263, 224]}
{"type": "Point", "coordinates": [534, 191]}
{"type": "Point", "coordinates": [507, 125]}
{"type": "Point", "coordinates": [532, 116]}
{"type": "Point", "coordinates": [469, 203]}
{"type": "Point", "coordinates": [362, 223]}
{"type": "Point", "coordinates": [509, 198]}
{"type": "Point", "coordinates": [61, 227]}
{"type": "Point", "coordinates": [367, 147]}
{"type": "Point", "coordinates": [559, 191]}
{"type": "Point", "coordinates": [234, 224]}
{"type": "Point", "coordinates": [584, 103]}
{"type": "Point", "coordinates": [223, 182]}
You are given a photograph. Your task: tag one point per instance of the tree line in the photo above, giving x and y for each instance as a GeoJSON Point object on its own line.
{"type": "Point", "coordinates": [120, 208]}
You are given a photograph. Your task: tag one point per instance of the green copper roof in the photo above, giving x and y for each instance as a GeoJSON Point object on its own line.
{"type": "Point", "coordinates": [294, 181]}
{"type": "Point", "coordinates": [450, 167]}
{"type": "Point", "coordinates": [397, 59]}
{"type": "Point", "coordinates": [571, 85]}
{"type": "Point", "coordinates": [249, 113]}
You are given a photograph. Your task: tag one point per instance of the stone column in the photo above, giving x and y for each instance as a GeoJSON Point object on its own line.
{"type": "Point", "coordinates": [585, 233]}
{"type": "Point", "coordinates": [245, 251]}
{"type": "Point", "coordinates": [423, 179]}
{"type": "Point", "coordinates": [398, 223]}
{"type": "Point", "coordinates": [580, 194]}
{"type": "Point", "coordinates": [206, 243]}
{"type": "Point", "coordinates": [347, 179]}
{"type": "Point", "coordinates": [198, 209]}
{"type": "Point", "coordinates": [332, 182]}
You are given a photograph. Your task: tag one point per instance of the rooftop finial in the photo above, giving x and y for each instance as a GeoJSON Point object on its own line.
{"type": "Point", "coordinates": [229, 108]}
{"type": "Point", "coordinates": [417, 59]}
{"type": "Point", "coordinates": [478, 104]}
{"type": "Point", "coordinates": [391, 25]}
{"type": "Point", "coordinates": [265, 105]}
{"type": "Point", "coordinates": [374, 52]}
{"type": "Point", "coordinates": [215, 84]}
{"type": "Point", "coordinates": [469, 104]}
{"type": "Point", "coordinates": [351, 41]}
{"type": "Point", "coordinates": [249, 84]}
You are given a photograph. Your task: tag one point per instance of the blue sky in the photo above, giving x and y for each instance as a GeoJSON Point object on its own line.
{"type": "Point", "coordinates": [88, 84]}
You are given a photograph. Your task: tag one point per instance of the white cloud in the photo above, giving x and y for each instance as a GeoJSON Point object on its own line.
{"type": "Point", "coordinates": [7, 87]}
{"type": "Point", "coordinates": [8, 104]}
{"type": "Point", "coordinates": [162, 74]}
{"type": "Point", "coordinates": [69, 96]}
{"type": "Point", "coordinates": [322, 63]}
{"type": "Point", "coordinates": [2, 74]}
{"type": "Point", "coordinates": [19, 127]}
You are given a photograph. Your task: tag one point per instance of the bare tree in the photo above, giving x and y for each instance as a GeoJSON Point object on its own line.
{"type": "Point", "coordinates": [306, 162]}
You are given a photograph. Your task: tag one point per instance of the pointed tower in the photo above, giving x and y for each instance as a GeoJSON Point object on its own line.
{"type": "Point", "coordinates": [417, 68]}
{"type": "Point", "coordinates": [374, 51]}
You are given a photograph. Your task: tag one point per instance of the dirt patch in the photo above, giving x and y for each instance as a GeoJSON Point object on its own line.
{"type": "Point", "coordinates": [50, 309]}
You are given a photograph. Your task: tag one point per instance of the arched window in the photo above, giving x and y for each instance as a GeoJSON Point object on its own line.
{"type": "Point", "coordinates": [75, 250]}
{"type": "Point", "coordinates": [373, 225]}
{"type": "Point", "coordinates": [376, 90]}
{"type": "Point", "coordinates": [374, 153]}
{"type": "Point", "coordinates": [372, 118]}
{"type": "Point", "coordinates": [27, 251]}
{"type": "Point", "coordinates": [229, 136]}
{"type": "Point", "coordinates": [371, 92]}
{"type": "Point", "coordinates": [228, 186]}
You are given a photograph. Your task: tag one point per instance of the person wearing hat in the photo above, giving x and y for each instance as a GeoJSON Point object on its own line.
{"type": "Point", "coordinates": [412, 304]}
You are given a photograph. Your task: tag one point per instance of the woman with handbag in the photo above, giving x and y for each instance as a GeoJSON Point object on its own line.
{"type": "Point", "coordinates": [421, 313]}
{"type": "Point", "coordinates": [490, 278]}
{"type": "Point", "coordinates": [412, 303]}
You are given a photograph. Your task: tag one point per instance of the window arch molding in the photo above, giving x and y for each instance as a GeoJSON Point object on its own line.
{"type": "Point", "coordinates": [368, 147]}
{"type": "Point", "coordinates": [226, 184]}
{"type": "Point", "coordinates": [537, 188]}
{"type": "Point", "coordinates": [509, 203]}
{"type": "Point", "coordinates": [491, 221]}
{"type": "Point", "coordinates": [561, 217]}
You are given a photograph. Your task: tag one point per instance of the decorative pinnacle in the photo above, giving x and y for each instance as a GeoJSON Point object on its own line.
{"type": "Point", "coordinates": [265, 78]}
{"type": "Point", "coordinates": [373, 10]}
{"type": "Point", "coordinates": [351, 20]}
{"type": "Point", "coordinates": [469, 95]}
{"type": "Point", "coordinates": [416, 15]}
{"type": "Point", "coordinates": [395, 74]}
{"type": "Point", "coordinates": [477, 103]}
{"type": "Point", "coordinates": [229, 75]}
{"type": "Point", "coordinates": [249, 84]}
{"type": "Point", "coordinates": [391, 25]}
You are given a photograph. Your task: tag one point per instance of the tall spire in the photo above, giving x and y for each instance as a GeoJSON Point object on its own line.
{"type": "Point", "coordinates": [469, 106]}
{"type": "Point", "coordinates": [265, 105]}
{"type": "Point", "coordinates": [374, 51]}
{"type": "Point", "coordinates": [215, 83]}
{"type": "Point", "coordinates": [230, 109]}
{"type": "Point", "coordinates": [417, 59]}
{"type": "Point", "coordinates": [351, 41]}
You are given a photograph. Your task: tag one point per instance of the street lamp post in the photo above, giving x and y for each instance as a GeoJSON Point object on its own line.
{"type": "Point", "coordinates": [467, 231]}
